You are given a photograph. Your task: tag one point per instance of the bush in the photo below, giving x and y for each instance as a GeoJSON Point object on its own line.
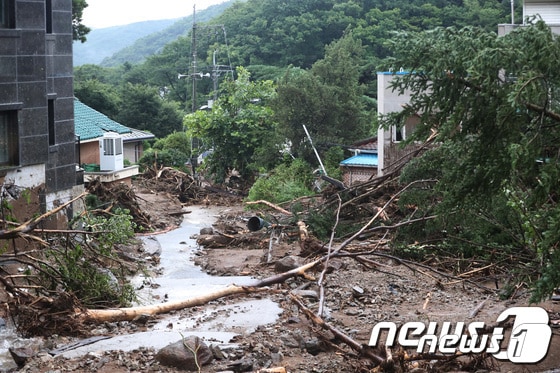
{"type": "Point", "coordinates": [84, 267]}
{"type": "Point", "coordinates": [164, 158]}
{"type": "Point", "coordinates": [177, 140]}
{"type": "Point", "coordinates": [285, 183]}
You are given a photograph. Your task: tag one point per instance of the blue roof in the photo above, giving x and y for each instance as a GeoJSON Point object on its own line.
{"type": "Point", "coordinates": [363, 159]}
{"type": "Point", "coordinates": [400, 72]}
{"type": "Point", "coordinates": [91, 124]}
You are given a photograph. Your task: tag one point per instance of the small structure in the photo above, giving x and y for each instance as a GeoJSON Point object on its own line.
{"type": "Point", "coordinates": [390, 150]}
{"type": "Point", "coordinates": [547, 10]}
{"type": "Point", "coordinates": [111, 152]}
{"type": "Point", "coordinates": [105, 145]}
{"type": "Point", "coordinates": [362, 166]}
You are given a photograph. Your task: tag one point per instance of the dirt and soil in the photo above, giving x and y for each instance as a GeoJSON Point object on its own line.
{"type": "Point", "coordinates": [358, 294]}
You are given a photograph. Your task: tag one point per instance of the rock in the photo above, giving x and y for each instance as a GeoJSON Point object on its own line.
{"type": "Point", "coordinates": [179, 356]}
{"type": "Point", "coordinates": [287, 263]}
{"type": "Point", "coordinates": [358, 292]}
{"type": "Point", "coordinates": [217, 352]}
{"type": "Point", "coordinates": [242, 365]}
{"type": "Point", "coordinates": [2, 323]}
{"type": "Point", "coordinates": [313, 346]}
{"type": "Point", "coordinates": [291, 341]}
{"type": "Point", "coordinates": [277, 357]}
{"type": "Point", "coordinates": [206, 231]}
{"type": "Point", "coordinates": [151, 246]}
{"type": "Point", "coordinates": [21, 355]}
{"type": "Point", "coordinates": [335, 265]}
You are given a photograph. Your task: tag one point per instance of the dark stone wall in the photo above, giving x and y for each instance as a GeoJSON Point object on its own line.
{"type": "Point", "coordinates": [36, 66]}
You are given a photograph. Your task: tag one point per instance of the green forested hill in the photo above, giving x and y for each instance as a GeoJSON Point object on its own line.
{"type": "Point", "coordinates": [153, 42]}
{"type": "Point", "coordinates": [282, 33]}
{"type": "Point", "coordinates": [102, 43]}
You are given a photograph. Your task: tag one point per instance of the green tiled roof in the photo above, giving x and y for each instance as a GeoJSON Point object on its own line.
{"type": "Point", "coordinates": [91, 124]}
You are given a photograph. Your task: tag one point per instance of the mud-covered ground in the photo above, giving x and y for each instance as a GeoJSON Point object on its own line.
{"type": "Point", "coordinates": [357, 296]}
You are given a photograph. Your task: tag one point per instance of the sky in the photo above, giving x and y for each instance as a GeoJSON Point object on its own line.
{"type": "Point", "coordinates": [107, 13]}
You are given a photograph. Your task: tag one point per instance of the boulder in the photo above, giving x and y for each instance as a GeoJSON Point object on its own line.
{"type": "Point", "coordinates": [287, 263]}
{"type": "Point", "coordinates": [181, 354]}
{"type": "Point", "coordinates": [206, 231]}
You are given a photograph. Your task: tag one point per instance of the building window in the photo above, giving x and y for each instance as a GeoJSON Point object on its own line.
{"type": "Point", "coordinates": [49, 17]}
{"type": "Point", "coordinates": [404, 132]}
{"type": "Point", "coordinates": [6, 13]}
{"type": "Point", "coordinates": [112, 146]}
{"type": "Point", "coordinates": [8, 139]}
{"type": "Point", "coordinates": [52, 127]}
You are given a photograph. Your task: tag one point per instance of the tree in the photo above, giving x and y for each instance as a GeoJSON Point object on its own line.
{"type": "Point", "coordinates": [239, 126]}
{"type": "Point", "coordinates": [328, 100]}
{"type": "Point", "coordinates": [99, 96]}
{"type": "Point", "coordinates": [79, 31]}
{"type": "Point", "coordinates": [142, 108]}
{"type": "Point", "coordinates": [493, 102]}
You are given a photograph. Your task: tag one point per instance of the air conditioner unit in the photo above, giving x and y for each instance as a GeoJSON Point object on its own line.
{"type": "Point", "coordinates": [111, 152]}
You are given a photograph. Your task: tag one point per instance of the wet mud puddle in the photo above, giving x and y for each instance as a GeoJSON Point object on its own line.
{"type": "Point", "coordinates": [179, 279]}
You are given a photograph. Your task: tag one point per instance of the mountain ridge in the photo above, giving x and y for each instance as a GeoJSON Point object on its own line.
{"type": "Point", "coordinates": [104, 42]}
{"type": "Point", "coordinates": [107, 46]}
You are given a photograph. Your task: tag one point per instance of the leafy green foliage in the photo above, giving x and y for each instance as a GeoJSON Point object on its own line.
{"type": "Point", "coordinates": [239, 125]}
{"type": "Point", "coordinates": [285, 183]}
{"type": "Point", "coordinates": [142, 108]}
{"type": "Point", "coordinates": [326, 99]}
{"type": "Point", "coordinates": [494, 104]}
{"type": "Point", "coordinates": [168, 157]}
{"type": "Point", "coordinates": [177, 140]}
{"type": "Point", "coordinates": [81, 267]}
{"type": "Point", "coordinates": [332, 160]}
{"type": "Point", "coordinates": [99, 96]}
{"type": "Point", "coordinates": [79, 30]}
{"type": "Point", "coordinates": [267, 37]}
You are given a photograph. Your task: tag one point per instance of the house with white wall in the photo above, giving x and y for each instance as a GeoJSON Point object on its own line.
{"type": "Point", "coordinates": [390, 150]}
{"type": "Point", "coordinates": [105, 145]}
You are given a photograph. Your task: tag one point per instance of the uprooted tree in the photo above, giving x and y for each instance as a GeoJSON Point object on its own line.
{"type": "Point", "coordinates": [493, 102]}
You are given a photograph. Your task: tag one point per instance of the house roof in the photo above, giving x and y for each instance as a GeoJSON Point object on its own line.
{"type": "Point", "coordinates": [90, 124]}
{"type": "Point", "coordinates": [369, 144]}
{"type": "Point", "coordinates": [361, 160]}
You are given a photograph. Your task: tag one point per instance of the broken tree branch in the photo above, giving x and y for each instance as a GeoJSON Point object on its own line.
{"type": "Point", "coordinates": [269, 204]}
{"type": "Point", "coordinates": [30, 225]}
{"type": "Point", "coordinates": [326, 265]}
{"type": "Point", "coordinates": [363, 350]}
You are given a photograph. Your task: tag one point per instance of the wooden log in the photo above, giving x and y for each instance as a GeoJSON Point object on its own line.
{"type": "Point", "coordinates": [270, 204]}
{"type": "Point", "coordinates": [131, 313]}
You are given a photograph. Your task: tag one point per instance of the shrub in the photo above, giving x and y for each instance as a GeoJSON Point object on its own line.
{"type": "Point", "coordinates": [164, 158]}
{"type": "Point", "coordinates": [285, 183]}
{"type": "Point", "coordinates": [84, 267]}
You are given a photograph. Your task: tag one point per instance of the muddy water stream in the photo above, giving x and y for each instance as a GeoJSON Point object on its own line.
{"type": "Point", "coordinates": [181, 279]}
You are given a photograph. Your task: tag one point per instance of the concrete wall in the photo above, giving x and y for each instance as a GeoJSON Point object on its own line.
{"type": "Point", "coordinates": [133, 151]}
{"type": "Point", "coordinates": [353, 175]}
{"type": "Point", "coordinates": [36, 67]}
{"type": "Point", "coordinates": [388, 101]}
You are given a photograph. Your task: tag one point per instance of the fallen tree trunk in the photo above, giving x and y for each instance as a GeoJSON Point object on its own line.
{"type": "Point", "coordinates": [131, 313]}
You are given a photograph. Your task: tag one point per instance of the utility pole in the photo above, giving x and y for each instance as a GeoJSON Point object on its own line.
{"type": "Point", "coordinates": [193, 74]}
